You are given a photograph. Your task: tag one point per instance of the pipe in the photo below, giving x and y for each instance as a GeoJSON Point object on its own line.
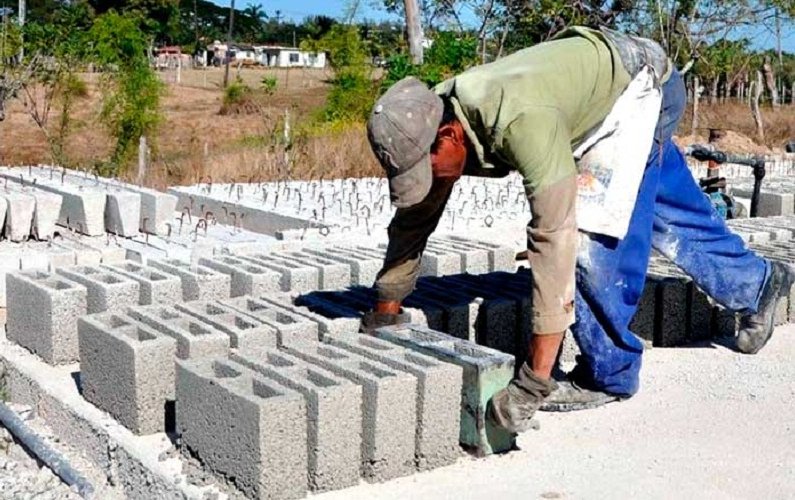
{"type": "Point", "coordinates": [54, 460]}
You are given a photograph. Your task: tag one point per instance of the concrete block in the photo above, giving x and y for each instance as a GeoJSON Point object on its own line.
{"type": "Point", "coordinates": [156, 287]}
{"type": "Point", "coordinates": [60, 257]}
{"type": "Point", "coordinates": [106, 291]}
{"type": "Point", "coordinates": [84, 256]}
{"type": "Point", "coordinates": [770, 203]}
{"type": "Point", "coordinates": [3, 211]}
{"type": "Point", "coordinates": [342, 323]}
{"type": "Point", "coordinates": [388, 408]}
{"type": "Point", "coordinates": [290, 327]}
{"type": "Point", "coordinates": [9, 263]}
{"type": "Point", "coordinates": [643, 322]}
{"type": "Point", "coordinates": [485, 371]}
{"type": "Point", "coordinates": [19, 218]}
{"type": "Point", "coordinates": [123, 213]}
{"type": "Point", "coordinates": [699, 313]}
{"type": "Point", "coordinates": [83, 210]}
{"type": "Point", "coordinates": [42, 312]}
{"type": "Point", "coordinates": [195, 339]}
{"type": "Point", "coordinates": [127, 369]}
{"type": "Point", "coordinates": [671, 329]}
{"type": "Point", "coordinates": [438, 395]}
{"type": "Point", "coordinates": [34, 260]}
{"type": "Point", "coordinates": [243, 426]}
{"type": "Point", "coordinates": [439, 263]}
{"type": "Point", "coordinates": [157, 209]}
{"type": "Point", "coordinates": [363, 268]}
{"type": "Point", "coordinates": [334, 415]}
{"type": "Point", "coordinates": [332, 275]}
{"type": "Point", "coordinates": [500, 258]}
{"type": "Point", "coordinates": [246, 278]}
{"type": "Point", "coordinates": [244, 330]}
{"type": "Point", "coordinates": [48, 208]}
{"type": "Point", "coordinates": [198, 282]}
{"type": "Point", "coordinates": [473, 260]}
{"type": "Point", "coordinates": [295, 277]}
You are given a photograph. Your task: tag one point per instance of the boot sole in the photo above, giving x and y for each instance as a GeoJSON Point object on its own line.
{"type": "Point", "coordinates": [567, 407]}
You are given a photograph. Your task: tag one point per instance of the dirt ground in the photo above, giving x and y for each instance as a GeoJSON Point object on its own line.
{"type": "Point", "coordinates": [707, 423]}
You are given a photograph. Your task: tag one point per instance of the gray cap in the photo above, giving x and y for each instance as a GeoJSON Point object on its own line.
{"type": "Point", "coordinates": [402, 128]}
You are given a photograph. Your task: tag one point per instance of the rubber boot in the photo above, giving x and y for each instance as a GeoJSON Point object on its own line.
{"type": "Point", "coordinates": [756, 329]}
{"type": "Point", "coordinates": [513, 408]}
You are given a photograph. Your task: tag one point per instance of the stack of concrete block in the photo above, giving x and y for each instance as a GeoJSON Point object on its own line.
{"type": "Point", "coordinates": [333, 415]}
{"type": "Point", "coordinates": [194, 338]}
{"type": "Point", "coordinates": [244, 330]}
{"type": "Point", "coordinates": [42, 314]}
{"type": "Point", "coordinates": [764, 229]}
{"type": "Point", "coordinates": [245, 427]}
{"type": "Point", "coordinates": [289, 326]}
{"type": "Point", "coordinates": [127, 369]}
{"type": "Point", "coordinates": [247, 278]}
{"type": "Point", "coordinates": [485, 371]}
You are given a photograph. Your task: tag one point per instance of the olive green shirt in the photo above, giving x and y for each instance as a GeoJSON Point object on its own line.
{"type": "Point", "coordinates": [529, 110]}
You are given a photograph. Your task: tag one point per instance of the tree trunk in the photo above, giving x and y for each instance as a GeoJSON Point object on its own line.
{"type": "Point", "coordinates": [757, 114]}
{"type": "Point", "coordinates": [770, 81]}
{"type": "Point", "coordinates": [696, 95]}
{"type": "Point", "coordinates": [414, 30]}
{"type": "Point", "coordinates": [713, 93]}
{"type": "Point", "coordinates": [792, 95]}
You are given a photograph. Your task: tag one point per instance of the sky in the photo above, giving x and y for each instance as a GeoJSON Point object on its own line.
{"type": "Point", "coordinates": [298, 9]}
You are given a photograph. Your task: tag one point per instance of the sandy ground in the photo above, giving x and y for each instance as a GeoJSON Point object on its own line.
{"type": "Point", "coordinates": [708, 423]}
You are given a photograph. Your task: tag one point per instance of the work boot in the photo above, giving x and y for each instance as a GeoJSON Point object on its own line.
{"type": "Point", "coordinates": [756, 329]}
{"type": "Point", "coordinates": [513, 408]}
{"type": "Point", "coordinates": [372, 320]}
{"type": "Point", "coordinates": [570, 396]}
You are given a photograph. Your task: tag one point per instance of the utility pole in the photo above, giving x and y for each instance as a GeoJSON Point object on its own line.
{"type": "Point", "coordinates": [229, 42]}
{"type": "Point", "coordinates": [414, 30]}
{"type": "Point", "coordinates": [22, 13]}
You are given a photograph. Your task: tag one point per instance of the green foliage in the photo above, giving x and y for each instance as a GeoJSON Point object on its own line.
{"type": "Point", "coordinates": [132, 90]}
{"type": "Point", "coordinates": [450, 54]}
{"type": "Point", "coordinates": [236, 92]}
{"type": "Point", "coordinates": [268, 84]}
{"type": "Point", "coordinates": [353, 91]}
{"type": "Point", "coordinates": [12, 41]}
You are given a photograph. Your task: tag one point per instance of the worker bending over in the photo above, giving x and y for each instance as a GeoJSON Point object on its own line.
{"type": "Point", "coordinates": [533, 112]}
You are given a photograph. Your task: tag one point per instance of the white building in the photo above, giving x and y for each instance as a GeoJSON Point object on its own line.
{"type": "Point", "coordinates": [290, 57]}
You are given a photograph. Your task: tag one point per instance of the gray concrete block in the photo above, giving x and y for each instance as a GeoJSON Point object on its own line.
{"type": "Point", "coordinates": [156, 287]}
{"type": "Point", "coordinates": [84, 256]}
{"type": "Point", "coordinates": [671, 329]}
{"type": "Point", "coordinates": [60, 257]}
{"type": "Point", "coordinates": [198, 282]}
{"type": "Point", "coordinates": [106, 291]}
{"type": "Point", "coordinates": [42, 312]}
{"type": "Point", "coordinates": [332, 275]}
{"type": "Point", "coordinates": [500, 258]}
{"type": "Point", "coordinates": [48, 208]}
{"type": "Point", "coordinates": [345, 322]}
{"type": "Point", "coordinates": [388, 408]}
{"type": "Point", "coordinates": [195, 339]}
{"type": "Point", "coordinates": [438, 395]}
{"type": "Point", "coordinates": [157, 209]}
{"type": "Point", "coordinates": [126, 369]}
{"type": "Point", "coordinates": [363, 267]}
{"type": "Point", "coordinates": [83, 210]}
{"type": "Point", "coordinates": [290, 327]}
{"type": "Point", "coordinates": [244, 330]}
{"type": "Point", "coordinates": [294, 277]}
{"type": "Point", "coordinates": [724, 322]}
{"type": "Point", "coordinates": [473, 260]}
{"type": "Point", "coordinates": [699, 314]}
{"type": "Point", "coordinates": [485, 371]}
{"type": "Point", "coordinates": [334, 415]}
{"type": "Point", "coordinates": [643, 322]}
{"type": "Point", "coordinates": [770, 203]}
{"type": "Point", "coordinates": [243, 426]}
{"type": "Point", "coordinates": [123, 213]}
{"type": "Point", "coordinates": [9, 263]}
{"type": "Point", "coordinates": [246, 278]}
{"type": "Point", "coordinates": [34, 261]}
{"type": "Point", "coordinates": [440, 263]}
{"type": "Point", "coordinates": [19, 218]}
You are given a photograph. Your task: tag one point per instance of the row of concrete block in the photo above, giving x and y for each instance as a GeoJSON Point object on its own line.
{"type": "Point", "coordinates": [28, 212]}
{"type": "Point", "coordinates": [764, 229]}
{"type": "Point", "coordinates": [92, 205]}
{"type": "Point", "coordinates": [776, 199]}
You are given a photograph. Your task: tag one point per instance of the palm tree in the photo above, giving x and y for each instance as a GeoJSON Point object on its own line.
{"type": "Point", "coordinates": [256, 12]}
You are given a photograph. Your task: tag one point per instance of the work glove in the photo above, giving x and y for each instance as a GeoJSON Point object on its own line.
{"type": "Point", "coordinates": [372, 320]}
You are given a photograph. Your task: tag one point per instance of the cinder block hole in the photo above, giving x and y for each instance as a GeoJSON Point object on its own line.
{"type": "Point", "coordinates": [197, 329]}
{"type": "Point", "coordinates": [109, 279]}
{"type": "Point", "coordinates": [253, 270]}
{"type": "Point", "coordinates": [87, 270]}
{"type": "Point", "coordinates": [170, 417]}
{"type": "Point", "coordinates": [57, 285]}
{"type": "Point", "coordinates": [168, 314]}
{"type": "Point", "coordinates": [262, 390]}
{"type": "Point", "coordinates": [472, 352]}
{"type": "Point", "coordinates": [243, 324]}
{"type": "Point", "coordinates": [155, 277]}
{"type": "Point", "coordinates": [284, 318]}
{"type": "Point", "coordinates": [319, 379]}
{"type": "Point", "coordinates": [420, 361]}
{"type": "Point", "coordinates": [139, 334]}
{"type": "Point", "coordinates": [330, 353]}
{"type": "Point", "coordinates": [38, 275]}
{"type": "Point", "coordinates": [222, 370]}
{"type": "Point", "coordinates": [204, 272]}
{"type": "Point", "coordinates": [372, 343]}
{"type": "Point", "coordinates": [420, 336]}
{"type": "Point", "coordinates": [213, 310]}
{"type": "Point", "coordinates": [114, 321]}
{"type": "Point", "coordinates": [276, 360]}
{"type": "Point", "coordinates": [374, 370]}
{"type": "Point", "coordinates": [130, 267]}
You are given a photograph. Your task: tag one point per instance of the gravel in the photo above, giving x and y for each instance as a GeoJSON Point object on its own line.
{"type": "Point", "coordinates": [23, 477]}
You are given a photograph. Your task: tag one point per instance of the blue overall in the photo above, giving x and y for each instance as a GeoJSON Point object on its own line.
{"type": "Point", "coordinates": [673, 216]}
